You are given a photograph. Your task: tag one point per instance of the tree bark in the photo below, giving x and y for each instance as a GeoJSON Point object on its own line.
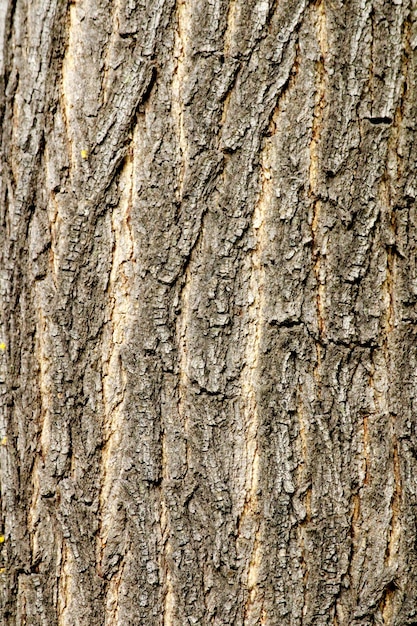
{"type": "Point", "coordinates": [209, 303]}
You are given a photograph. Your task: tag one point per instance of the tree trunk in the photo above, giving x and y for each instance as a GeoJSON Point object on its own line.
{"type": "Point", "coordinates": [209, 306]}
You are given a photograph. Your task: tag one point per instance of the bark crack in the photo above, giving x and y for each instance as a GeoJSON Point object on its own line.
{"type": "Point", "coordinates": [67, 90]}
{"type": "Point", "coordinates": [177, 102]}
{"type": "Point", "coordinates": [314, 168]}
{"type": "Point", "coordinates": [121, 310]}
{"type": "Point", "coordinates": [231, 21]}
{"type": "Point", "coordinates": [250, 517]}
{"type": "Point", "coordinates": [169, 598]}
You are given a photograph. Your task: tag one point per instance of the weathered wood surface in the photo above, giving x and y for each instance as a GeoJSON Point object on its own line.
{"type": "Point", "coordinates": [209, 306]}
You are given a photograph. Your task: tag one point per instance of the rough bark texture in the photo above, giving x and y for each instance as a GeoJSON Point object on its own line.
{"type": "Point", "coordinates": [209, 306]}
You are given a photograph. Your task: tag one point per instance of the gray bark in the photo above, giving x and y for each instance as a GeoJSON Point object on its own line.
{"type": "Point", "coordinates": [209, 305]}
